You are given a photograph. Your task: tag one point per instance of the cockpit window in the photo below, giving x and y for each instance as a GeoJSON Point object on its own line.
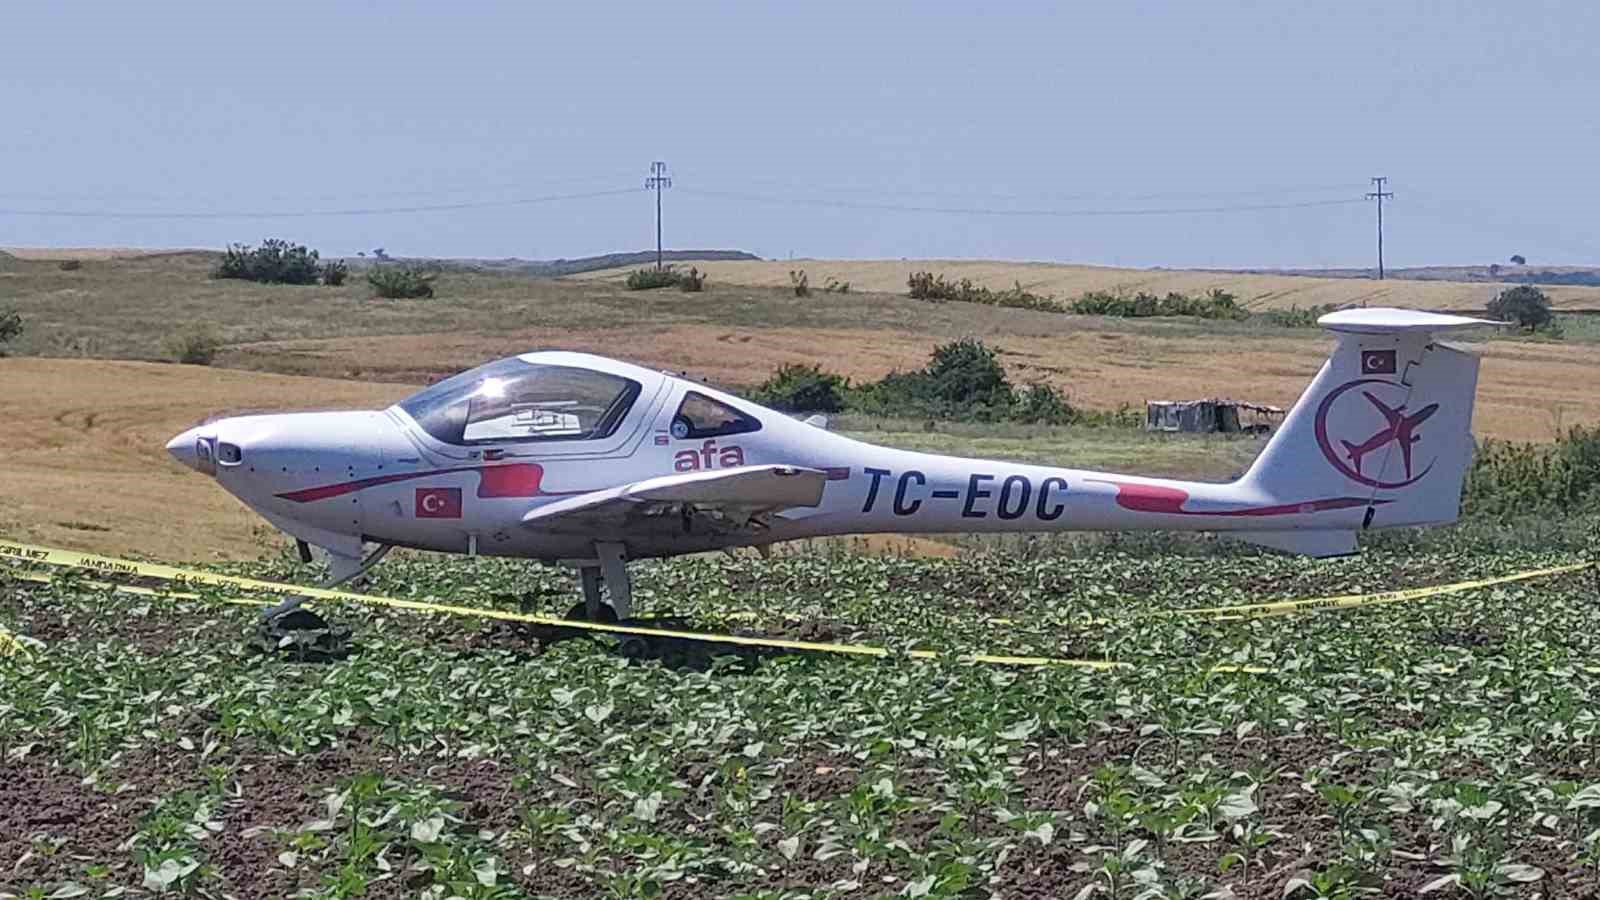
{"type": "Point", "coordinates": [700, 416]}
{"type": "Point", "coordinates": [512, 400]}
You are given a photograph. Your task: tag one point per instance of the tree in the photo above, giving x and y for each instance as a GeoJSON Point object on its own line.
{"type": "Point", "coordinates": [1525, 305]}
{"type": "Point", "coordinates": [1519, 259]}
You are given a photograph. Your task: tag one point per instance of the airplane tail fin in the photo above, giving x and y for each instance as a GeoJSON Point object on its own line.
{"type": "Point", "coordinates": [1411, 464]}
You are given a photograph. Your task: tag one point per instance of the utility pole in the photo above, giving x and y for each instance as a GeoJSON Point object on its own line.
{"type": "Point", "coordinates": [1380, 195]}
{"type": "Point", "coordinates": [658, 179]}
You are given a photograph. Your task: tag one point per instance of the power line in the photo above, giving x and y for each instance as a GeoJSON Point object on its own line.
{"type": "Point", "coordinates": [308, 214]}
{"type": "Point", "coordinates": [1379, 195]}
{"type": "Point", "coordinates": [979, 195]}
{"type": "Point", "coordinates": [983, 211]}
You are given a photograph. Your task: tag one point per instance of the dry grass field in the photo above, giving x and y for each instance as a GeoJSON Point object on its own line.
{"type": "Point", "coordinates": [1068, 281]}
{"type": "Point", "coordinates": [1527, 391]}
{"type": "Point", "coordinates": [81, 461]}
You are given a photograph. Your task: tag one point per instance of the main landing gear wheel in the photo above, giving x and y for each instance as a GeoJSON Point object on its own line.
{"type": "Point", "coordinates": [303, 635]}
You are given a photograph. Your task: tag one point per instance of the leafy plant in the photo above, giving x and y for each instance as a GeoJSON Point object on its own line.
{"type": "Point", "coordinates": [401, 282]}
{"type": "Point", "coordinates": [274, 262]}
{"type": "Point", "coordinates": [334, 273]}
{"type": "Point", "coordinates": [10, 327]}
{"type": "Point", "coordinates": [802, 388]}
{"type": "Point", "coordinates": [1217, 304]}
{"type": "Point", "coordinates": [692, 281]}
{"type": "Point", "coordinates": [650, 279]}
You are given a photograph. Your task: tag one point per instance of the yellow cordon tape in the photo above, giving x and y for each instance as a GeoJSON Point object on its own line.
{"type": "Point", "coordinates": [1351, 601]}
{"type": "Point", "coordinates": [89, 561]}
{"type": "Point", "coordinates": [74, 559]}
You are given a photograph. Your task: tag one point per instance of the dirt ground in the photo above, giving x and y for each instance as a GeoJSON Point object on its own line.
{"type": "Point", "coordinates": [1066, 281]}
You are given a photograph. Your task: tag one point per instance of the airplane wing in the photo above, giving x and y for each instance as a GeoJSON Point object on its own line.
{"type": "Point", "coordinates": [725, 500]}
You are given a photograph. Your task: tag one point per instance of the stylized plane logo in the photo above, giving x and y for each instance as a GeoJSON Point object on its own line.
{"type": "Point", "coordinates": [1399, 429]}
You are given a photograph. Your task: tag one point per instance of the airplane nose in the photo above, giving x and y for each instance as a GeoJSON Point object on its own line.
{"type": "Point", "coordinates": [183, 449]}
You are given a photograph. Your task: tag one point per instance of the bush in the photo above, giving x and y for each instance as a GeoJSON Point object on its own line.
{"type": "Point", "coordinates": [333, 274]}
{"type": "Point", "coordinates": [692, 282]}
{"type": "Point", "coordinates": [1508, 480]}
{"type": "Point", "coordinates": [69, 265]}
{"type": "Point", "coordinates": [401, 282]}
{"type": "Point", "coordinates": [1295, 317]}
{"type": "Point", "coordinates": [10, 327]}
{"type": "Point", "coordinates": [802, 284]}
{"type": "Point", "coordinates": [835, 286]}
{"type": "Point", "coordinates": [1042, 404]}
{"type": "Point", "coordinates": [197, 346]}
{"type": "Point", "coordinates": [928, 286]}
{"type": "Point", "coordinates": [650, 279]}
{"type": "Point", "coordinates": [802, 388]}
{"type": "Point", "coordinates": [1525, 305]}
{"type": "Point", "coordinates": [1218, 304]}
{"type": "Point", "coordinates": [274, 262]}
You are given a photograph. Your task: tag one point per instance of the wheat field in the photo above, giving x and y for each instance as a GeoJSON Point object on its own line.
{"type": "Point", "coordinates": [1068, 281]}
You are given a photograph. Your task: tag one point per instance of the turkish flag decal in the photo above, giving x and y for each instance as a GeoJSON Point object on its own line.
{"type": "Point", "coordinates": [1377, 362]}
{"type": "Point", "coordinates": [438, 503]}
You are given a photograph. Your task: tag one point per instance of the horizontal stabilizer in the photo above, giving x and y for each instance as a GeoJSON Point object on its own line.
{"type": "Point", "coordinates": [1307, 543]}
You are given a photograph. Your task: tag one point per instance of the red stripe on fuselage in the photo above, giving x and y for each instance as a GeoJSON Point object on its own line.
{"type": "Point", "coordinates": [514, 480]}
{"type": "Point", "coordinates": [1153, 498]}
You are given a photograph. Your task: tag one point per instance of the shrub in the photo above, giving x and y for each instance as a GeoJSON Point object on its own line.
{"type": "Point", "coordinates": [802, 388]}
{"type": "Point", "coordinates": [1525, 305]}
{"type": "Point", "coordinates": [835, 286]}
{"type": "Point", "coordinates": [10, 327]}
{"type": "Point", "coordinates": [1295, 317]}
{"type": "Point", "coordinates": [274, 262]}
{"type": "Point", "coordinates": [69, 265]}
{"type": "Point", "coordinates": [650, 279]}
{"type": "Point", "coordinates": [401, 282]}
{"type": "Point", "coordinates": [967, 372]}
{"type": "Point", "coordinates": [197, 345]}
{"type": "Point", "coordinates": [1043, 404]}
{"type": "Point", "coordinates": [1509, 480]}
{"type": "Point", "coordinates": [802, 284]}
{"type": "Point", "coordinates": [928, 286]}
{"type": "Point", "coordinates": [1218, 304]}
{"type": "Point", "coordinates": [692, 282]}
{"type": "Point", "coordinates": [333, 274]}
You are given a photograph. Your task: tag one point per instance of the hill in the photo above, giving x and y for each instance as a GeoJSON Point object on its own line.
{"type": "Point", "coordinates": [1255, 290]}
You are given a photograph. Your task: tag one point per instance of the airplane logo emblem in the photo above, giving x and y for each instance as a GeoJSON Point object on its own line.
{"type": "Point", "coordinates": [1400, 427]}
{"type": "Point", "coordinates": [1399, 430]}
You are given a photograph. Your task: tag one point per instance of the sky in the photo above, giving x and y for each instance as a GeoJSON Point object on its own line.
{"type": "Point", "coordinates": [1223, 134]}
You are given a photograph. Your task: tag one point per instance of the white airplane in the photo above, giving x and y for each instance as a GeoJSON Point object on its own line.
{"type": "Point", "coordinates": [586, 461]}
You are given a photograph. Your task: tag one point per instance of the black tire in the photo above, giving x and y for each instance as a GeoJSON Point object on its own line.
{"type": "Point", "coordinates": [580, 613]}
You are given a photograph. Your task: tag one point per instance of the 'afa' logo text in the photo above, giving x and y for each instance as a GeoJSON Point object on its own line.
{"type": "Point", "coordinates": [709, 456]}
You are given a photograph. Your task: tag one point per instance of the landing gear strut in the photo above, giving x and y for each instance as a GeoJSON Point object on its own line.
{"type": "Point", "coordinates": [309, 635]}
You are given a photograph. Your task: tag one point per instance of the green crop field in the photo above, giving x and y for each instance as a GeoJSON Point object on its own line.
{"type": "Point", "coordinates": [1449, 743]}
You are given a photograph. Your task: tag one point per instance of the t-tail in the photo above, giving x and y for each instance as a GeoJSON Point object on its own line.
{"type": "Point", "coordinates": [1384, 431]}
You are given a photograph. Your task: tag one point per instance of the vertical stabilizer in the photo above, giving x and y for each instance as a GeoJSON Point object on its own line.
{"type": "Point", "coordinates": [1388, 420]}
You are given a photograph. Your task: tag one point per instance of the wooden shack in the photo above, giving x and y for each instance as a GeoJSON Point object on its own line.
{"type": "Point", "coordinates": [1210, 416]}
